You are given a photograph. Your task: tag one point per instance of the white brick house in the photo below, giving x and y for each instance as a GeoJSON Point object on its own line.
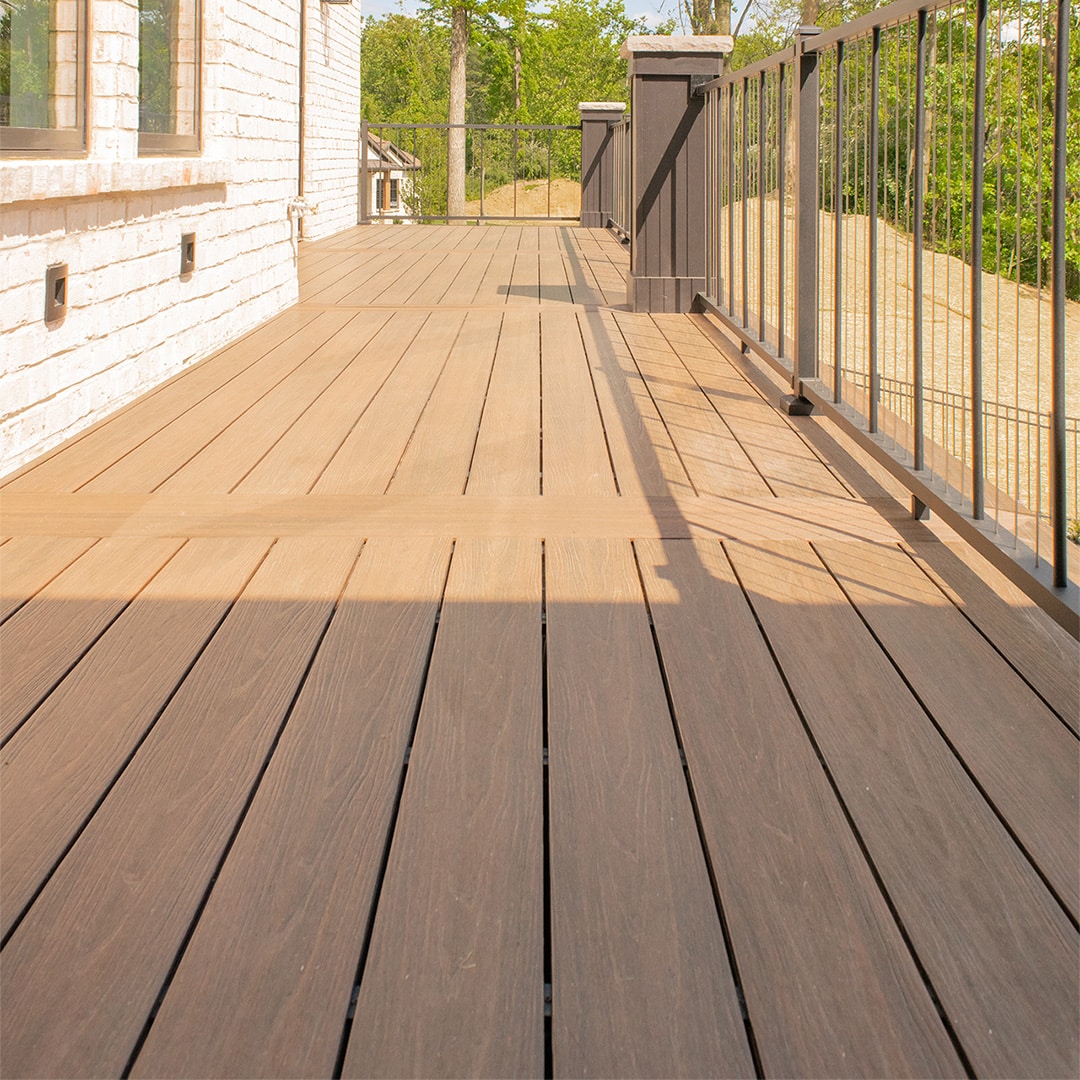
{"type": "Point", "coordinates": [107, 162]}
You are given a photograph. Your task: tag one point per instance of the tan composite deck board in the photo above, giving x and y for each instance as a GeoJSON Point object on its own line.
{"type": "Point", "coordinates": [554, 284]}
{"type": "Point", "coordinates": [225, 461]}
{"type": "Point", "coordinates": [633, 920]}
{"type": "Point", "coordinates": [463, 288]}
{"type": "Point", "coordinates": [268, 514]}
{"type": "Point", "coordinates": [642, 454]}
{"type": "Point", "coordinates": [344, 274]}
{"type": "Point", "coordinates": [1000, 728]}
{"type": "Point", "coordinates": [507, 456]}
{"type": "Point", "coordinates": [1044, 653]}
{"type": "Point", "coordinates": [999, 951]}
{"type": "Point", "coordinates": [783, 458]}
{"type": "Point", "coordinates": [418, 268]}
{"type": "Point", "coordinates": [299, 457]}
{"type": "Point", "coordinates": [524, 284]}
{"type": "Point", "coordinates": [433, 287]}
{"type": "Point", "coordinates": [99, 941]}
{"type": "Point", "coordinates": [849, 794]}
{"type": "Point", "coordinates": [59, 764]}
{"type": "Point", "coordinates": [454, 980]}
{"type": "Point", "coordinates": [46, 636]}
{"type": "Point", "coordinates": [812, 935]}
{"type": "Point", "coordinates": [154, 460]}
{"type": "Point", "coordinates": [265, 993]}
{"type": "Point", "coordinates": [711, 455]}
{"type": "Point", "coordinates": [438, 456]}
{"type": "Point", "coordinates": [70, 467]}
{"type": "Point", "coordinates": [29, 563]}
{"type": "Point", "coordinates": [365, 461]}
{"type": "Point", "coordinates": [576, 459]}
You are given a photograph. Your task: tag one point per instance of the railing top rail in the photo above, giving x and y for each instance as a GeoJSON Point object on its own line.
{"type": "Point", "coordinates": [891, 15]}
{"type": "Point", "coordinates": [472, 127]}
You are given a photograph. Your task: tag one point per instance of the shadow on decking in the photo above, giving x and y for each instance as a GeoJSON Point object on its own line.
{"type": "Point", "coordinates": [308, 796]}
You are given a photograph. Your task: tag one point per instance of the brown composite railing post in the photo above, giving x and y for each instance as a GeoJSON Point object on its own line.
{"type": "Point", "coordinates": [598, 161]}
{"type": "Point", "coordinates": [668, 235]}
{"type": "Point", "coordinates": [805, 122]}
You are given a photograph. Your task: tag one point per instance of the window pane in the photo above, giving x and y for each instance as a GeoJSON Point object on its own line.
{"type": "Point", "coordinates": [169, 69]}
{"type": "Point", "coordinates": [39, 66]}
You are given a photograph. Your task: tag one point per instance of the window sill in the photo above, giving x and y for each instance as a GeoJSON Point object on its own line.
{"type": "Point", "coordinates": [25, 181]}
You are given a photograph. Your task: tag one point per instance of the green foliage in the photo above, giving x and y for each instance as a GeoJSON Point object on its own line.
{"type": "Point", "coordinates": [404, 70]}
{"type": "Point", "coordinates": [157, 35]}
{"type": "Point", "coordinates": [1017, 181]}
{"type": "Point", "coordinates": [24, 63]}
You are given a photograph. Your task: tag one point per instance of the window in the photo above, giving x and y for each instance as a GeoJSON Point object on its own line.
{"type": "Point", "coordinates": [386, 194]}
{"type": "Point", "coordinates": [169, 62]}
{"type": "Point", "coordinates": [42, 76]}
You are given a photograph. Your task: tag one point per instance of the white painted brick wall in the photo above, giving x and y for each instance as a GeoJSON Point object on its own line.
{"type": "Point", "coordinates": [332, 116]}
{"type": "Point", "coordinates": [116, 219]}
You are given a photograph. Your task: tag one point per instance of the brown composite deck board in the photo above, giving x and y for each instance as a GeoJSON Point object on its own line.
{"type": "Point", "coordinates": [460, 292]}
{"type": "Point", "coordinates": [830, 985]}
{"type": "Point", "coordinates": [1001, 730]}
{"type": "Point", "coordinates": [524, 284]}
{"type": "Point", "coordinates": [398, 288]}
{"type": "Point", "coordinates": [346, 274]}
{"type": "Point", "coordinates": [266, 515]}
{"type": "Point", "coordinates": [73, 465]}
{"type": "Point", "coordinates": [507, 456]}
{"type": "Point", "coordinates": [298, 458]}
{"type": "Point", "coordinates": [784, 459]}
{"type": "Point", "coordinates": [198, 812]}
{"type": "Point", "coordinates": [59, 765]}
{"type": "Point", "coordinates": [153, 461]}
{"type": "Point", "coordinates": [28, 564]}
{"type": "Point", "coordinates": [365, 461]}
{"type": "Point", "coordinates": [265, 993]}
{"type": "Point", "coordinates": [634, 924]}
{"type": "Point", "coordinates": [46, 636]}
{"type": "Point", "coordinates": [225, 461]}
{"type": "Point", "coordinates": [713, 458]}
{"type": "Point", "coordinates": [99, 941]}
{"type": "Point", "coordinates": [494, 286]}
{"type": "Point", "coordinates": [575, 454]}
{"type": "Point", "coordinates": [1045, 654]}
{"type": "Point", "coordinates": [554, 285]}
{"type": "Point", "coordinates": [454, 980]}
{"type": "Point", "coordinates": [642, 454]}
{"type": "Point", "coordinates": [433, 287]}
{"type": "Point", "coordinates": [438, 456]}
{"type": "Point", "coordinates": [999, 951]}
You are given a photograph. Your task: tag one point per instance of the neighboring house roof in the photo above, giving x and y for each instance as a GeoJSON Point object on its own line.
{"type": "Point", "coordinates": [385, 154]}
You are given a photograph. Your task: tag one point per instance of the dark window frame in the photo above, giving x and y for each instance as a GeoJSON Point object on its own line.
{"type": "Point", "coordinates": [58, 142]}
{"type": "Point", "coordinates": [154, 143]}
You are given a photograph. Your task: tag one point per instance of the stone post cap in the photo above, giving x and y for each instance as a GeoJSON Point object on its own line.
{"type": "Point", "coordinates": [601, 106]}
{"type": "Point", "coordinates": [681, 44]}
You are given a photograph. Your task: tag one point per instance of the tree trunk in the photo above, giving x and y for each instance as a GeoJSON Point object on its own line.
{"type": "Point", "coordinates": [455, 149]}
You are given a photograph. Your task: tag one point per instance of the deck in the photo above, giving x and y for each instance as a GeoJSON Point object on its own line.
{"type": "Point", "coordinates": [460, 675]}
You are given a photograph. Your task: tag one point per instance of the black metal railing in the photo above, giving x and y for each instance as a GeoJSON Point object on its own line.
{"type": "Point", "coordinates": [622, 205]}
{"type": "Point", "coordinates": [524, 172]}
{"type": "Point", "coordinates": [887, 224]}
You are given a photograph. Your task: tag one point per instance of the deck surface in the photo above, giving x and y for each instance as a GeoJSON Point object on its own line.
{"type": "Point", "coordinates": [460, 675]}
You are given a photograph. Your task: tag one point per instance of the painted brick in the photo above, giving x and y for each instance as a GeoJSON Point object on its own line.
{"type": "Point", "coordinates": [116, 219]}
